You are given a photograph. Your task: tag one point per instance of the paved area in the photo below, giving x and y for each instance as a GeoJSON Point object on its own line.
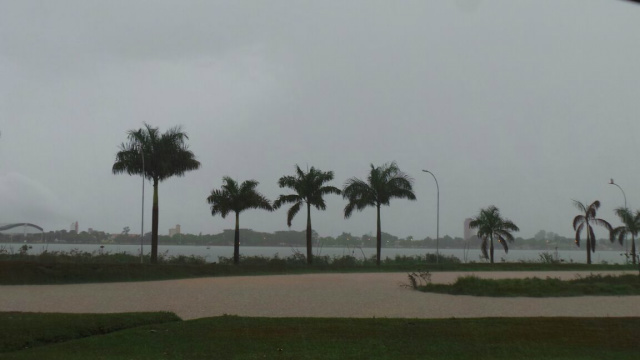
{"type": "Point", "coordinates": [308, 295]}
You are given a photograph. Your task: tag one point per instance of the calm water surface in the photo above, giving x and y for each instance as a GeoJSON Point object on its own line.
{"type": "Point", "coordinates": [212, 253]}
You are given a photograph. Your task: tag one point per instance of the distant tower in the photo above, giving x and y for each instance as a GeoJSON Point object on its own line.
{"type": "Point", "coordinates": [175, 230]}
{"type": "Point", "coordinates": [468, 232]}
{"type": "Point", "coordinates": [74, 227]}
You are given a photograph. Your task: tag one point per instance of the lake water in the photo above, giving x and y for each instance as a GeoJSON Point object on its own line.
{"type": "Point", "coordinates": [212, 253]}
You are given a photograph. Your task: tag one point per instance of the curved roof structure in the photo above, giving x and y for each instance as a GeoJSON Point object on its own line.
{"type": "Point", "coordinates": [11, 226]}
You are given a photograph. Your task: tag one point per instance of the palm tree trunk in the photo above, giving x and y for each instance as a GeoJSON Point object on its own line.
{"type": "Point", "coordinates": [236, 241]}
{"type": "Point", "coordinates": [633, 249]}
{"type": "Point", "coordinates": [309, 253]}
{"type": "Point", "coordinates": [491, 248]}
{"type": "Point", "coordinates": [154, 224]}
{"type": "Point", "coordinates": [378, 239]}
{"type": "Point", "coordinates": [588, 246]}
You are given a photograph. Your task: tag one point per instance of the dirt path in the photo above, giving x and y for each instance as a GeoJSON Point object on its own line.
{"type": "Point", "coordinates": [309, 295]}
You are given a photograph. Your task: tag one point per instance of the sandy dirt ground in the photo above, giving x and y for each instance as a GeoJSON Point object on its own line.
{"type": "Point", "coordinates": [309, 295]}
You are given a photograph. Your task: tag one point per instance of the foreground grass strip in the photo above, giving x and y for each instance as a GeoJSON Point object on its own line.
{"type": "Point", "coordinates": [232, 337]}
{"type": "Point", "coordinates": [27, 330]}
{"type": "Point", "coordinates": [36, 272]}
{"type": "Point", "coordinates": [536, 287]}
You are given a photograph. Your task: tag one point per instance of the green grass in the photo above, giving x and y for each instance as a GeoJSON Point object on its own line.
{"type": "Point", "coordinates": [231, 337]}
{"type": "Point", "coordinates": [25, 273]}
{"type": "Point", "coordinates": [536, 287]}
{"type": "Point", "coordinates": [82, 267]}
{"type": "Point", "coordinates": [27, 330]}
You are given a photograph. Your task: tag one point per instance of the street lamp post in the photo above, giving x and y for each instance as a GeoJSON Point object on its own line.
{"type": "Point", "coordinates": [142, 217]}
{"type": "Point", "coordinates": [611, 182]}
{"type": "Point", "coordinates": [623, 195]}
{"type": "Point", "coordinates": [437, 218]}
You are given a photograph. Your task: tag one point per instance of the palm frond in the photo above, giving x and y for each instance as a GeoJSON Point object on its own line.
{"type": "Point", "coordinates": [318, 203]}
{"type": "Point", "coordinates": [288, 182]}
{"type": "Point", "coordinates": [292, 212]}
{"type": "Point", "coordinates": [504, 234]}
{"type": "Point", "coordinates": [259, 201]}
{"type": "Point", "coordinates": [578, 231]}
{"type": "Point", "coordinates": [580, 206]}
{"type": "Point", "coordinates": [231, 197]}
{"type": "Point", "coordinates": [509, 226]}
{"type": "Point", "coordinates": [578, 220]}
{"type": "Point", "coordinates": [326, 190]}
{"type": "Point", "coordinates": [592, 238]}
{"type": "Point", "coordinates": [219, 201]}
{"type": "Point", "coordinates": [630, 221]}
{"type": "Point", "coordinates": [356, 188]}
{"type": "Point", "coordinates": [348, 209]}
{"type": "Point", "coordinates": [165, 155]}
{"type": "Point", "coordinates": [483, 247]}
{"type": "Point", "coordinates": [603, 223]}
{"type": "Point", "coordinates": [286, 199]}
{"type": "Point", "coordinates": [620, 232]}
{"type": "Point", "coordinates": [502, 241]}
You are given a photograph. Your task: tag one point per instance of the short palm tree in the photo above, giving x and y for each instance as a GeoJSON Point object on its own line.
{"type": "Point", "coordinates": [490, 224]}
{"type": "Point", "coordinates": [157, 157]}
{"type": "Point", "coordinates": [383, 184]}
{"type": "Point", "coordinates": [234, 198]}
{"type": "Point", "coordinates": [309, 190]}
{"type": "Point", "coordinates": [586, 221]}
{"type": "Point", "coordinates": [631, 226]}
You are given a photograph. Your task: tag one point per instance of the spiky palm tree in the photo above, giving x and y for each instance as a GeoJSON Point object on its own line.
{"type": "Point", "coordinates": [631, 226]}
{"type": "Point", "coordinates": [234, 198]}
{"type": "Point", "coordinates": [490, 224]}
{"type": "Point", "coordinates": [309, 190]}
{"type": "Point", "coordinates": [586, 221]}
{"type": "Point", "coordinates": [157, 157]}
{"type": "Point", "coordinates": [383, 184]}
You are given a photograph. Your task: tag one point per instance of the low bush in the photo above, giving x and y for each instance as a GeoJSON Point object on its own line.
{"type": "Point", "coordinates": [536, 287]}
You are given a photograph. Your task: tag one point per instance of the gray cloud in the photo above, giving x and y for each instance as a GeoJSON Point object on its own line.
{"type": "Point", "coordinates": [524, 105]}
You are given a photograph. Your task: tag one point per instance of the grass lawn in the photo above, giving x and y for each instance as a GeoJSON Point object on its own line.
{"type": "Point", "coordinates": [20, 331]}
{"type": "Point", "coordinates": [536, 287]}
{"type": "Point", "coordinates": [231, 337]}
{"type": "Point", "coordinates": [50, 272]}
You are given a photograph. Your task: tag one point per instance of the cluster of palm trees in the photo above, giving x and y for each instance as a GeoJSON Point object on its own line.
{"type": "Point", "coordinates": [158, 156]}
{"type": "Point", "coordinates": [586, 220]}
{"type": "Point", "coordinates": [308, 190]}
{"type": "Point", "coordinates": [491, 225]}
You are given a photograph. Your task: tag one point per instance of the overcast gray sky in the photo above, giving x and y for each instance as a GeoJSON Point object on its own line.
{"type": "Point", "coordinates": [520, 104]}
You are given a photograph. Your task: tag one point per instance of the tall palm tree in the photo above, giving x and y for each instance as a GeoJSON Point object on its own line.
{"type": "Point", "coordinates": [490, 224]}
{"type": "Point", "coordinates": [157, 157]}
{"type": "Point", "coordinates": [586, 221]}
{"type": "Point", "coordinates": [383, 184]}
{"type": "Point", "coordinates": [308, 189]}
{"type": "Point", "coordinates": [631, 226]}
{"type": "Point", "coordinates": [232, 197]}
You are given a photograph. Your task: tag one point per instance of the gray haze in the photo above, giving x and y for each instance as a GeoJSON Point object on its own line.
{"type": "Point", "coordinates": [521, 104]}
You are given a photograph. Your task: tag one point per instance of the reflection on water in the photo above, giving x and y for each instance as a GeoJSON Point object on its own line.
{"type": "Point", "coordinates": [211, 253]}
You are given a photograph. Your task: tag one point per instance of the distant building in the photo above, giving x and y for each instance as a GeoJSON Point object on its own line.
{"type": "Point", "coordinates": [175, 230]}
{"type": "Point", "coordinates": [74, 227]}
{"type": "Point", "coordinates": [468, 232]}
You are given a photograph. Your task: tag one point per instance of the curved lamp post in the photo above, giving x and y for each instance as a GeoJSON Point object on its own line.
{"type": "Point", "coordinates": [619, 187]}
{"type": "Point", "coordinates": [142, 217]}
{"type": "Point", "coordinates": [438, 218]}
{"type": "Point", "coordinates": [611, 182]}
